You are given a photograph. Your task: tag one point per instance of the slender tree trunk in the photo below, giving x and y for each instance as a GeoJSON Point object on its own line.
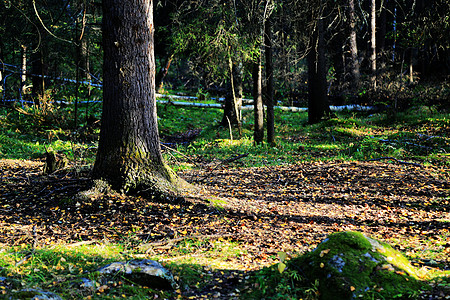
{"type": "Point", "coordinates": [354, 65]}
{"type": "Point", "coordinates": [23, 77]}
{"type": "Point", "coordinates": [269, 77]}
{"type": "Point", "coordinates": [318, 105]}
{"type": "Point", "coordinates": [338, 57]}
{"type": "Point", "coordinates": [2, 69]}
{"type": "Point", "coordinates": [233, 98]}
{"type": "Point", "coordinates": [82, 61]}
{"type": "Point", "coordinates": [258, 134]}
{"type": "Point", "coordinates": [373, 56]}
{"type": "Point", "coordinates": [411, 62]}
{"type": "Point", "coordinates": [77, 44]}
{"type": "Point", "coordinates": [86, 67]}
{"type": "Point", "coordinates": [381, 35]}
{"type": "Point", "coordinates": [38, 80]}
{"type": "Point", "coordinates": [129, 155]}
{"type": "Point", "coordinates": [238, 74]}
{"type": "Point", "coordinates": [163, 73]}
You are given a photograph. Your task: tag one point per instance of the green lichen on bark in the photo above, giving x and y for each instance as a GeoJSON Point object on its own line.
{"type": "Point", "coordinates": [133, 170]}
{"type": "Point", "coordinates": [158, 180]}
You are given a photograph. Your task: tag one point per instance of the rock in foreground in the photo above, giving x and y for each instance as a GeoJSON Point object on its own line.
{"type": "Point", "coordinates": [144, 272]}
{"type": "Point", "coordinates": [349, 265]}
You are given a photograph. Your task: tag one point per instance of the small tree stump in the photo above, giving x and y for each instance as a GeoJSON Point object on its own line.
{"type": "Point", "coordinates": [54, 161]}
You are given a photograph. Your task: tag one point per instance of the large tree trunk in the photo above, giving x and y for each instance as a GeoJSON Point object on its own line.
{"type": "Point", "coordinates": [318, 105]}
{"type": "Point", "coordinates": [269, 78]}
{"type": "Point", "coordinates": [129, 154]}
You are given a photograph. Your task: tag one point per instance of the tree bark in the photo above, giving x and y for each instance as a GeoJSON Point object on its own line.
{"type": "Point", "coordinates": [77, 74]}
{"type": "Point", "coordinates": [269, 84]}
{"type": "Point", "coordinates": [381, 35]}
{"type": "Point", "coordinates": [23, 76]}
{"type": "Point", "coordinates": [373, 55]}
{"type": "Point", "coordinates": [129, 156]}
{"type": "Point", "coordinates": [340, 82]}
{"type": "Point", "coordinates": [86, 66]}
{"type": "Point", "coordinates": [318, 105]}
{"type": "Point", "coordinates": [258, 133]}
{"type": "Point", "coordinates": [238, 75]}
{"type": "Point", "coordinates": [83, 63]}
{"type": "Point", "coordinates": [2, 69]}
{"type": "Point", "coordinates": [233, 98]}
{"type": "Point", "coordinates": [354, 64]}
{"type": "Point", "coordinates": [38, 79]}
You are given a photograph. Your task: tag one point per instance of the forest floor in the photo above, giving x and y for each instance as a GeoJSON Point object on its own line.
{"type": "Point", "coordinates": [264, 210]}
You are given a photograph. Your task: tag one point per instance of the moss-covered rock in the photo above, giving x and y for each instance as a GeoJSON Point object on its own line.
{"type": "Point", "coordinates": [349, 265]}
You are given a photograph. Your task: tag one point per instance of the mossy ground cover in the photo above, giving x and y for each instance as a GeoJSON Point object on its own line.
{"type": "Point", "coordinates": [316, 181]}
{"type": "Point", "coordinates": [349, 265]}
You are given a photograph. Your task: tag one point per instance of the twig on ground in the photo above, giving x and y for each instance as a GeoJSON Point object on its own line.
{"type": "Point", "coordinates": [223, 162]}
{"type": "Point", "coordinates": [185, 156]}
{"type": "Point", "coordinates": [24, 260]}
{"type": "Point", "coordinates": [34, 238]}
{"type": "Point", "coordinates": [396, 160]}
{"type": "Point", "coordinates": [429, 137]}
{"type": "Point", "coordinates": [61, 189]}
{"type": "Point", "coordinates": [406, 143]}
{"type": "Point", "coordinates": [81, 243]}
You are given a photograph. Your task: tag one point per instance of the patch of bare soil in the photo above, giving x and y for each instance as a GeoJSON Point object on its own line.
{"type": "Point", "coordinates": [269, 209]}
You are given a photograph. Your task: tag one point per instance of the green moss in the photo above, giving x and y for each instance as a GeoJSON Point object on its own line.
{"type": "Point", "coordinates": [217, 203]}
{"type": "Point", "coordinates": [350, 265]}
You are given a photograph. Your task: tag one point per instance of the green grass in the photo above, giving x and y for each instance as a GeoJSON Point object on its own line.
{"type": "Point", "coordinates": [61, 268]}
{"type": "Point", "coordinates": [346, 137]}
{"type": "Point", "coordinates": [419, 135]}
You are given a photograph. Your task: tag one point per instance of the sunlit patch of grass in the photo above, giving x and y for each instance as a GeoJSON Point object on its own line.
{"type": "Point", "coordinates": [220, 254]}
{"type": "Point", "coordinates": [228, 144]}
{"type": "Point", "coordinates": [326, 147]}
{"type": "Point", "coordinates": [60, 269]}
{"type": "Point", "coordinates": [353, 132]}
